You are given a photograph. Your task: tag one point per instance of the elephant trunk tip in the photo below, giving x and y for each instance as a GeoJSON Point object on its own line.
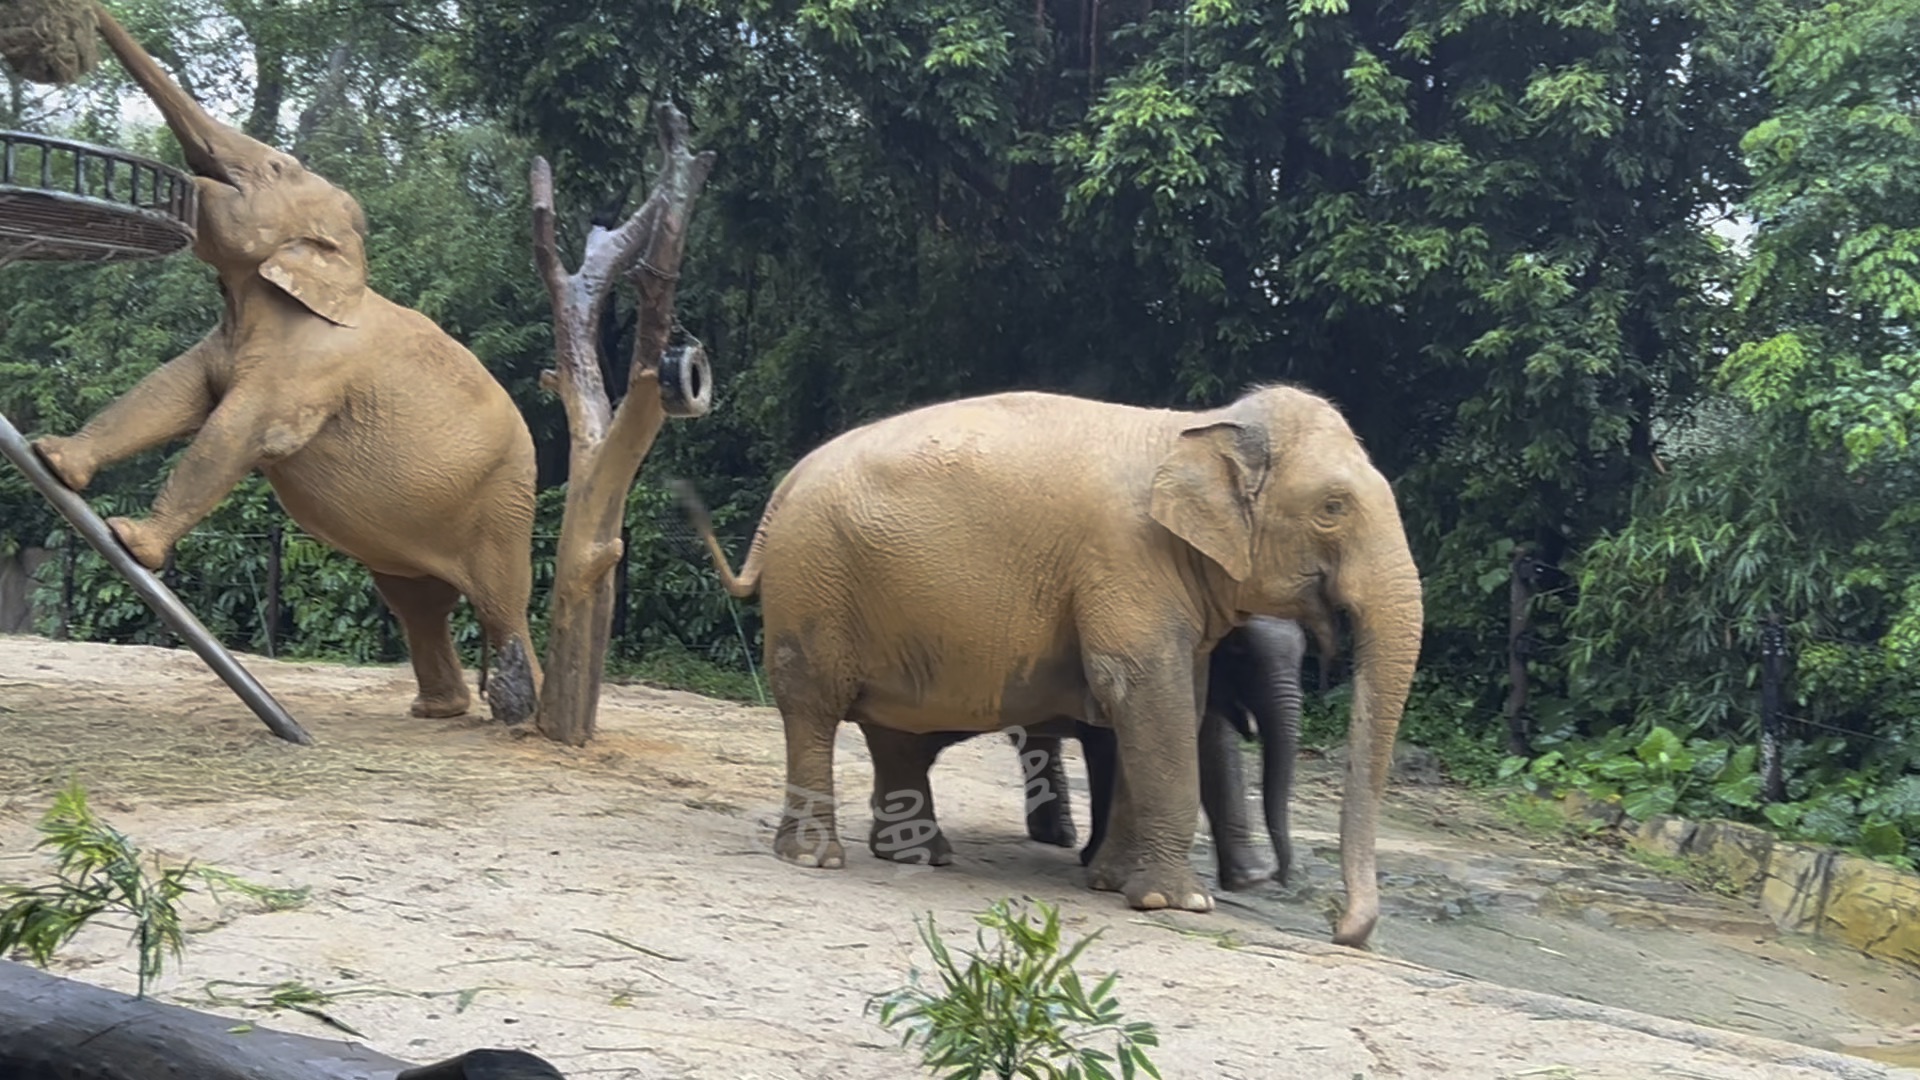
{"type": "Point", "coordinates": [1354, 933]}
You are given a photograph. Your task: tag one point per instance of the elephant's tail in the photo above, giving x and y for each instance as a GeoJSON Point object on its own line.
{"type": "Point", "coordinates": [743, 584]}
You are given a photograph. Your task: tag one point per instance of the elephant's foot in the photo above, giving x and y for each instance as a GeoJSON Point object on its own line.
{"type": "Point", "coordinates": [440, 706]}
{"type": "Point", "coordinates": [919, 841]}
{"type": "Point", "coordinates": [1242, 877]}
{"type": "Point", "coordinates": [1048, 825]}
{"type": "Point", "coordinates": [140, 539]}
{"type": "Point", "coordinates": [1356, 925]}
{"type": "Point", "coordinates": [1108, 872]}
{"type": "Point", "coordinates": [1153, 888]}
{"type": "Point", "coordinates": [71, 467]}
{"type": "Point", "coordinates": [511, 694]}
{"type": "Point", "coordinates": [810, 843]}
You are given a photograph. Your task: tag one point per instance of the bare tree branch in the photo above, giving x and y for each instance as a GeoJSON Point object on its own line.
{"type": "Point", "coordinates": [546, 248]}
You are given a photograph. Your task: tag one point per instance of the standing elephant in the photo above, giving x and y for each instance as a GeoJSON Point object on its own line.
{"type": "Point", "coordinates": [381, 435]}
{"type": "Point", "coordinates": [1253, 687]}
{"type": "Point", "coordinates": [1015, 558]}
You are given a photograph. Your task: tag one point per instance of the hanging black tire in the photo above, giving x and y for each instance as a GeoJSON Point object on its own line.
{"type": "Point", "coordinates": [686, 381]}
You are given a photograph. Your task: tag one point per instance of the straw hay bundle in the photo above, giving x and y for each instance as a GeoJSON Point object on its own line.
{"type": "Point", "coordinates": [49, 41]}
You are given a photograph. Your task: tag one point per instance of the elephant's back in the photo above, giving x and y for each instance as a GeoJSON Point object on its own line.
{"type": "Point", "coordinates": [937, 547]}
{"type": "Point", "coordinates": [966, 472]}
{"type": "Point", "coordinates": [1053, 443]}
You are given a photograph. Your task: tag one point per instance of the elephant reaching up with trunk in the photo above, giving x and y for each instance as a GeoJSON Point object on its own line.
{"type": "Point", "coordinates": [381, 435]}
{"type": "Point", "coordinates": [1253, 688]}
{"type": "Point", "coordinates": [1017, 558]}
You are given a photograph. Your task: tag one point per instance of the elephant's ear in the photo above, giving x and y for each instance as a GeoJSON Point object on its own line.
{"type": "Point", "coordinates": [326, 275]}
{"type": "Point", "coordinates": [1204, 489]}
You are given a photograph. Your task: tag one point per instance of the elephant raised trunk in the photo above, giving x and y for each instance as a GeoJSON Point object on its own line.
{"type": "Point", "coordinates": [1387, 616]}
{"type": "Point", "coordinates": [212, 149]}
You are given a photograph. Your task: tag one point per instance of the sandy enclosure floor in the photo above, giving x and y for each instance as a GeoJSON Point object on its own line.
{"type": "Point", "coordinates": [468, 886]}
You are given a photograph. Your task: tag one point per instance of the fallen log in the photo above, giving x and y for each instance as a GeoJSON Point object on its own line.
{"type": "Point", "coordinates": [58, 1029]}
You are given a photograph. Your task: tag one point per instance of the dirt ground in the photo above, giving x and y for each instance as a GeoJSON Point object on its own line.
{"type": "Point", "coordinates": [615, 910]}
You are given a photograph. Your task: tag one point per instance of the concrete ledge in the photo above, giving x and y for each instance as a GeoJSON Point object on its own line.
{"type": "Point", "coordinates": [1802, 888]}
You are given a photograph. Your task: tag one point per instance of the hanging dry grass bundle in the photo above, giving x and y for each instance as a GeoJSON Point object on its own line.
{"type": "Point", "coordinates": [49, 41]}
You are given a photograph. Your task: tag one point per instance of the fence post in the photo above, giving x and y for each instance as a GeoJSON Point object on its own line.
{"type": "Point", "coordinates": [1519, 619]}
{"type": "Point", "coordinates": [1773, 656]}
{"type": "Point", "coordinates": [273, 587]}
{"type": "Point", "coordinates": [67, 556]}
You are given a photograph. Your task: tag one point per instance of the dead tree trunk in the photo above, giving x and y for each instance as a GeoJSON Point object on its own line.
{"type": "Point", "coordinates": [608, 445]}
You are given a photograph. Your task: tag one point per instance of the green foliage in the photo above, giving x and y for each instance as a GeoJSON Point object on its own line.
{"type": "Point", "coordinates": [1793, 483]}
{"type": "Point", "coordinates": [99, 873]}
{"type": "Point", "coordinates": [1661, 773]}
{"type": "Point", "coordinates": [675, 668]}
{"type": "Point", "coordinates": [1017, 1008]}
{"type": "Point", "coordinates": [1453, 725]}
{"type": "Point", "coordinates": [1657, 774]}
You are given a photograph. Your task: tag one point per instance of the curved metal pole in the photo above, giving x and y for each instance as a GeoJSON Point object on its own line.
{"type": "Point", "coordinates": [151, 589]}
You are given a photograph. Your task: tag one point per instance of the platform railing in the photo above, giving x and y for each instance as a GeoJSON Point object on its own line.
{"type": "Point", "coordinates": [95, 172]}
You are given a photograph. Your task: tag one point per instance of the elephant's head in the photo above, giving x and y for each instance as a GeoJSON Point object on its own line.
{"type": "Point", "coordinates": [260, 211]}
{"type": "Point", "coordinates": [1278, 491]}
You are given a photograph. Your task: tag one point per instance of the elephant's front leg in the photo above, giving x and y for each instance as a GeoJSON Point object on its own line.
{"type": "Point", "coordinates": [1156, 720]}
{"type": "Point", "coordinates": [238, 436]}
{"type": "Point", "coordinates": [1048, 800]}
{"type": "Point", "coordinates": [170, 403]}
{"type": "Point", "coordinates": [904, 827]}
{"type": "Point", "coordinates": [1223, 791]}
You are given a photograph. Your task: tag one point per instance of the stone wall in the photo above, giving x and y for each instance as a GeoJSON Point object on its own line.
{"type": "Point", "coordinates": [16, 589]}
{"type": "Point", "coordinates": [1803, 888]}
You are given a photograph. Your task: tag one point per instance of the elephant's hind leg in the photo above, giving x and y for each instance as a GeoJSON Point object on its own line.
{"type": "Point", "coordinates": [813, 700]}
{"type": "Point", "coordinates": [498, 581]}
{"type": "Point", "coordinates": [904, 826]}
{"type": "Point", "coordinates": [424, 605]}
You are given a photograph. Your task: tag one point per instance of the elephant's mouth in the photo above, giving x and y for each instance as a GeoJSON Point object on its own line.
{"type": "Point", "coordinates": [213, 170]}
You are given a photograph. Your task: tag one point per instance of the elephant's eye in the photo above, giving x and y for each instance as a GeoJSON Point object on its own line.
{"type": "Point", "coordinates": [1335, 506]}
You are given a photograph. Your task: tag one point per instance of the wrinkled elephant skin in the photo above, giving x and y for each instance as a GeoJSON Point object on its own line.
{"type": "Point", "coordinates": [1253, 689]}
{"type": "Point", "coordinates": [1012, 559]}
{"type": "Point", "coordinates": [381, 435]}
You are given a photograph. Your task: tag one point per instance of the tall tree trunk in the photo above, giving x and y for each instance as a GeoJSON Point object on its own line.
{"type": "Point", "coordinates": [270, 67]}
{"type": "Point", "coordinates": [608, 445]}
{"type": "Point", "coordinates": [326, 100]}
